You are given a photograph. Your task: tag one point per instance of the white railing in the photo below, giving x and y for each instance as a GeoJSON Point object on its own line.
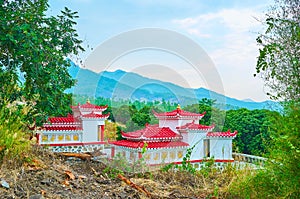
{"type": "Point", "coordinates": [240, 157]}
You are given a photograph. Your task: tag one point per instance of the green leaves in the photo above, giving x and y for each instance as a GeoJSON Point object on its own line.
{"type": "Point", "coordinates": [36, 46]}
{"type": "Point", "coordinates": [279, 57]}
{"type": "Point", "coordinates": [140, 117]}
{"type": "Point", "coordinates": [253, 129]}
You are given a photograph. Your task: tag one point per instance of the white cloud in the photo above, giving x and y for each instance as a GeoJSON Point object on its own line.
{"type": "Point", "coordinates": [230, 35]}
{"type": "Point", "coordinates": [194, 31]}
{"type": "Point", "coordinates": [235, 20]}
{"type": "Point", "coordinates": [186, 22]}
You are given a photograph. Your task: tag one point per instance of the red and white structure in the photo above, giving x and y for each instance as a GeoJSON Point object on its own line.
{"type": "Point", "coordinates": [168, 141]}
{"type": "Point", "coordinates": [80, 132]}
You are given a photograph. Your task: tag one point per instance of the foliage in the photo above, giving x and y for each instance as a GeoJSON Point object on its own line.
{"type": "Point", "coordinates": [121, 165]}
{"type": "Point", "coordinates": [117, 166]}
{"type": "Point", "coordinates": [279, 65]}
{"type": "Point", "coordinates": [14, 138]}
{"type": "Point", "coordinates": [279, 55]}
{"type": "Point", "coordinates": [110, 131]}
{"type": "Point", "coordinates": [208, 167]}
{"type": "Point", "coordinates": [253, 129]}
{"type": "Point", "coordinates": [280, 177]}
{"type": "Point", "coordinates": [212, 115]}
{"type": "Point", "coordinates": [121, 114]}
{"type": "Point", "coordinates": [133, 117]}
{"type": "Point", "coordinates": [141, 117]}
{"type": "Point", "coordinates": [120, 110]}
{"type": "Point", "coordinates": [34, 46]}
{"type": "Point", "coordinates": [119, 133]}
{"type": "Point", "coordinates": [185, 165]}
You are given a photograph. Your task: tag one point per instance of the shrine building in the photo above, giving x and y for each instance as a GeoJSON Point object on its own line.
{"type": "Point", "coordinates": [168, 141]}
{"type": "Point", "coordinates": [165, 142]}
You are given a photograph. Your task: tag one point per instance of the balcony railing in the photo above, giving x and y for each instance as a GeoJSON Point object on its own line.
{"type": "Point", "coordinates": [249, 158]}
{"type": "Point", "coordinates": [59, 137]}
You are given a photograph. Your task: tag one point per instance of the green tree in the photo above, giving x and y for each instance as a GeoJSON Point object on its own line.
{"type": "Point", "coordinates": [279, 56]}
{"type": "Point", "coordinates": [121, 114]}
{"type": "Point", "coordinates": [119, 133]}
{"type": "Point", "coordinates": [140, 117]}
{"type": "Point", "coordinates": [253, 129]}
{"type": "Point", "coordinates": [278, 63]}
{"type": "Point", "coordinates": [35, 46]}
{"type": "Point", "coordinates": [212, 115]}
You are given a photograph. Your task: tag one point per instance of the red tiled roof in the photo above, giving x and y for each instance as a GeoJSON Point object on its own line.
{"type": "Point", "coordinates": [221, 134]}
{"type": "Point", "coordinates": [150, 145]}
{"type": "Point", "coordinates": [152, 132]}
{"type": "Point", "coordinates": [178, 113]}
{"type": "Point", "coordinates": [193, 126]}
{"type": "Point", "coordinates": [69, 119]}
{"type": "Point", "coordinates": [62, 128]}
{"type": "Point", "coordinates": [94, 115]}
{"type": "Point", "coordinates": [88, 105]}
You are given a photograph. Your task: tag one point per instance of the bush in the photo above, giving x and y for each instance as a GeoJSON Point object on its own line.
{"type": "Point", "coordinates": [14, 135]}
{"type": "Point", "coordinates": [280, 177]}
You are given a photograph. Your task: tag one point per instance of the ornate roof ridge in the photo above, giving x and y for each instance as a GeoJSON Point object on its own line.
{"type": "Point", "coordinates": [222, 134]}
{"type": "Point", "coordinates": [62, 128]}
{"type": "Point", "coordinates": [95, 115]}
{"type": "Point", "coordinates": [69, 119]}
{"type": "Point", "coordinates": [193, 126]}
{"type": "Point", "coordinates": [178, 112]}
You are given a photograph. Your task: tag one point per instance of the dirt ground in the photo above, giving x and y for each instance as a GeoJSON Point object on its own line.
{"type": "Point", "coordinates": [52, 176]}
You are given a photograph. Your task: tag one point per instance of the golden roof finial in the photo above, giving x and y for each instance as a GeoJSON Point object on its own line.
{"type": "Point", "coordinates": [178, 107]}
{"type": "Point", "coordinates": [88, 100]}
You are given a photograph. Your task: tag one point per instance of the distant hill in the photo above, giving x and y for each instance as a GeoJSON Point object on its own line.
{"type": "Point", "coordinates": [127, 85]}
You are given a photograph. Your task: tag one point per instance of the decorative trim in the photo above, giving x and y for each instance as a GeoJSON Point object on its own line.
{"type": "Point", "coordinates": [75, 144]}
{"type": "Point", "coordinates": [195, 161]}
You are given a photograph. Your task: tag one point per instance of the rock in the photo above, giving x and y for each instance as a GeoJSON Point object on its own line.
{"type": "Point", "coordinates": [37, 196]}
{"type": "Point", "coordinates": [103, 181]}
{"type": "Point", "coordinates": [46, 182]}
{"type": "Point", "coordinates": [4, 184]}
{"type": "Point", "coordinates": [123, 195]}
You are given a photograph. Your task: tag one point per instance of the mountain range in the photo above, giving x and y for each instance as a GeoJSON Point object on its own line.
{"type": "Point", "coordinates": [127, 85]}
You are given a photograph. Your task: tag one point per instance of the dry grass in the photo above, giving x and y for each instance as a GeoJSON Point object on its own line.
{"type": "Point", "coordinates": [25, 180]}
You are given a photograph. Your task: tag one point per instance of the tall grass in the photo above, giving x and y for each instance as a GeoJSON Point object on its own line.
{"type": "Point", "coordinates": [14, 135]}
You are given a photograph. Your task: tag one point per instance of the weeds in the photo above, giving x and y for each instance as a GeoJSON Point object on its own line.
{"type": "Point", "coordinates": [14, 136]}
{"type": "Point", "coordinates": [120, 165]}
{"type": "Point", "coordinates": [185, 165]}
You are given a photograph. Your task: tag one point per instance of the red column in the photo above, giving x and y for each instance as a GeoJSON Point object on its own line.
{"type": "Point", "coordinates": [112, 152]}
{"type": "Point", "coordinates": [102, 133]}
{"type": "Point", "coordinates": [140, 155]}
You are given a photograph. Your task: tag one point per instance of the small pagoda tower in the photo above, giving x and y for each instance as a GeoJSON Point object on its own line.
{"type": "Point", "coordinates": [177, 117]}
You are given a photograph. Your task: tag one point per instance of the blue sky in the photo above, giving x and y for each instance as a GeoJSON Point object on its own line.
{"type": "Point", "coordinates": [225, 29]}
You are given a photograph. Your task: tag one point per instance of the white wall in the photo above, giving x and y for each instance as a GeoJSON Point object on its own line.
{"type": "Point", "coordinates": [90, 129]}
{"type": "Point", "coordinates": [156, 156]}
{"type": "Point", "coordinates": [195, 138]}
{"type": "Point", "coordinates": [221, 148]}
{"type": "Point", "coordinates": [172, 124]}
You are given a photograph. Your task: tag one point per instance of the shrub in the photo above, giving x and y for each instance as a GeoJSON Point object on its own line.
{"type": "Point", "coordinates": [14, 136]}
